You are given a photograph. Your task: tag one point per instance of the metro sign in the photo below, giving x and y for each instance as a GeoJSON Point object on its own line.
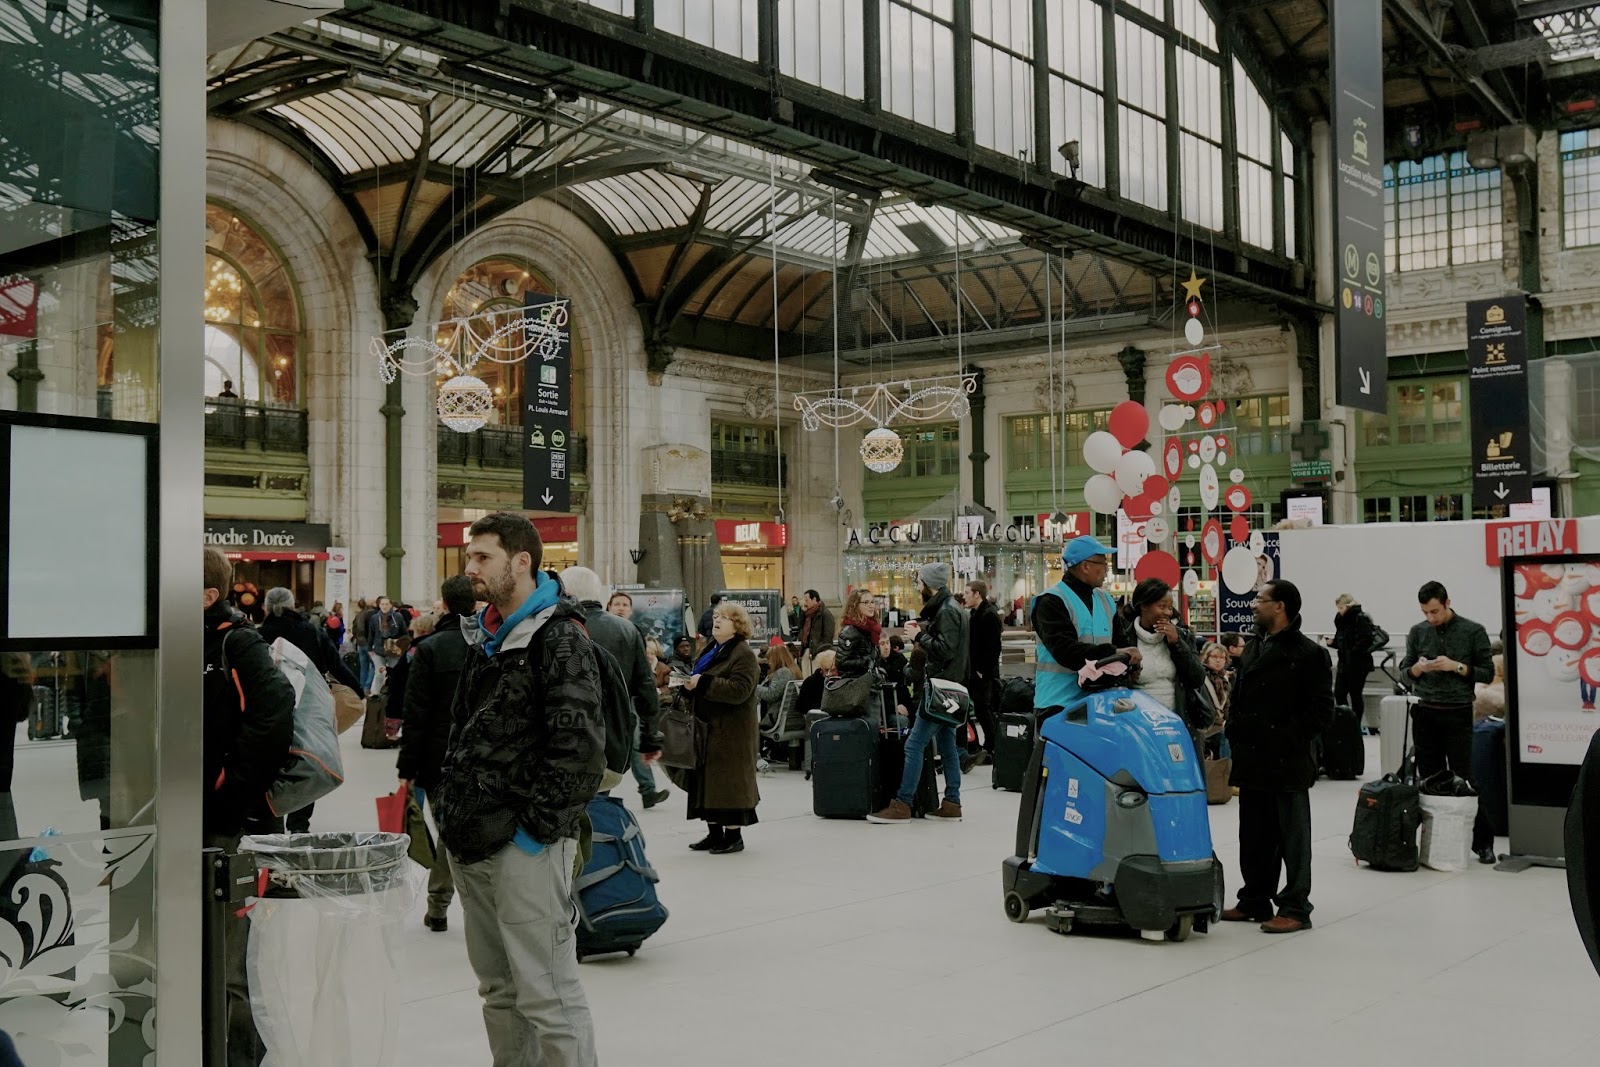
{"type": "Point", "coordinates": [1547, 537]}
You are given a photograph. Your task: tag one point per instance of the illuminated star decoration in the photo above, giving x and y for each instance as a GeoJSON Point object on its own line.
{"type": "Point", "coordinates": [1191, 288]}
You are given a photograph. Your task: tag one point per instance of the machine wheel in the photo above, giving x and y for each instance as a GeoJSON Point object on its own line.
{"type": "Point", "coordinates": [1181, 929]}
{"type": "Point", "coordinates": [1016, 908]}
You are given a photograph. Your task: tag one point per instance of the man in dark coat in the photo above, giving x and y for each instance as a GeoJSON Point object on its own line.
{"type": "Point", "coordinates": [430, 691]}
{"type": "Point", "coordinates": [1282, 700]}
{"type": "Point", "coordinates": [817, 627]}
{"type": "Point", "coordinates": [983, 660]}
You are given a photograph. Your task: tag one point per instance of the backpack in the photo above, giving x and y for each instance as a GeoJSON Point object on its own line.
{"type": "Point", "coordinates": [616, 893]}
{"type": "Point", "coordinates": [313, 768]}
{"type": "Point", "coordinates": [1380, 639]}
{"type": "Point", "coordinates": [615, 702]}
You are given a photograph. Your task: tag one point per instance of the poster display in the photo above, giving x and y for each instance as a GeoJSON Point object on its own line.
{"type": "Point", "coordinates": [1247, 567]}
{"type": "Point", "coordinates": [658, 613]}
{"type": "Point", "coordinates": [1556, 658]}
{"type": "Point", "coordinates": [765, 607]}
{"type": "Point", "coordinates": [336, 588]}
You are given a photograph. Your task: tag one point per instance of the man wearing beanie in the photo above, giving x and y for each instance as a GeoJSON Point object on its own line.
{"type": "Point", "coordinates": [1072, 624]}
{"type": "Point", "coordinates": [940, 632]}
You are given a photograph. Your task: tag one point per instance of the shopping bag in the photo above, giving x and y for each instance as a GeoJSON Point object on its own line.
{"type": "Point", "coordinates": [1218, 791]}
{"type": "Point", "coordinates": [422, 848]}
{"type": "Point", "coordinates": [348, 706]}
{"type": "Point", "coordinates": [392, 811]}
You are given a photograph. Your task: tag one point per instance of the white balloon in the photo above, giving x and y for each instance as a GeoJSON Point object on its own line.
{"type": "Point", "coordinates": [1239, 570]}
{"type": "Point", "coordinates": [1156, 530]}
{"type": "Point", "coordinates": [1132, 470]}
{"type": "Point", "coordinates": [1189, 541]}
{"type": "Point", "coordinates": [1101, 451]}
{"type": "Point", "coordinates": [1101, 494]}
{"type": "Point", "coordinates": [1222, 458]}
{"type": "Point", "coordinates": [1157, 508]}
{"type": "Point", "coordinates": [1171, 418]}
{"type": "Point", "coordinates": [1210, 491]}
{"type": "Point", "coordinates": [1236, 476]}
{"type": "Point", "coordinates": [1562, 664]}
{"type": "Point", "coordinates": [1174, 498]}
{"type": "Point", "coordinates": [1188, 412]}
{"type": "Point", "coordinates": [1194, 462]}
{"type": "Point", "coordinates": [1191, 582]}
{"type": "Point", "coordinates": [1193, 332]}
{"type": "Point", "coordinates": [1258, 543]}
{"type": "Point", "coordinates": [1208, 448]}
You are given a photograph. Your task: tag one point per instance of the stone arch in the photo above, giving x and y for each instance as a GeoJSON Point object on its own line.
{"type": "Point", "coordinates": [578, 262]}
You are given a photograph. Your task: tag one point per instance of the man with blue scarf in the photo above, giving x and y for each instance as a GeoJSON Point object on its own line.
{"type": "Point", "coordinates": [1072, 624]}
{"type": "Point", "coordinates": [526, 754]}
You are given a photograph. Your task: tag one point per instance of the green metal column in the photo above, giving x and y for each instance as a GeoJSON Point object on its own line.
{"type": "Point", "coordinates": [27, 375]}
{"type": "Point", "coordinates": [1113, 137]}
{"type": "Point", "coordinates": [1042, 129]}
{"type": "Point", "coordinates": [963, 61]}
{"type": "Point", "coordinates": [1230, 145]}
{"type": "Point", "coordinates": [399, 311]}
{"type": "Point", "coordinates": [871, 56]}
{"type": "Point", "coordinates": [1174, 126]}
{"type": "Point", "coordinates": [978, 455]}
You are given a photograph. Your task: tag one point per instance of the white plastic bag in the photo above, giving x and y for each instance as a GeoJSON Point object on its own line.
{"type": "Point", "coordinates": [1447, 831]}
{"type": "Point", "coordinates": [325, 968]}
{"type": "Point", "coordinates": [314, 768]}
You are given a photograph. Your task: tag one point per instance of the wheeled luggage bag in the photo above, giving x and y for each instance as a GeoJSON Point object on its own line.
{"type": "Point", "coordinates": [1388, 817]}
{"type": "Point", "coordinates": [617, 904]}
{"type": "Point", "coordinates": [374, 728]}
{"type": "Point", "coordinates": [1344, 750]}
{"type": "Point", "coordinates": [844, 767]}
{"type": "Point", "coordinates": [1012, 749]}
{"type": "Point", "coordinates": [892, 768]}
{"type": "Point", "coordinates": [1395, 733]}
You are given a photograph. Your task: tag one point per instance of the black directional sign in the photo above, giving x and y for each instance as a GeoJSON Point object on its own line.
{"type": "Point", "coordinates": [547, 405]}
{"type": "Point", "coordinates": [1497, 370]}
{"type": "Point", "coordinates": [1361, 355]}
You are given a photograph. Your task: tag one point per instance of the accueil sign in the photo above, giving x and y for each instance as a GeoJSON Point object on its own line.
{"type": "Point", "coordinates": [967, 531]}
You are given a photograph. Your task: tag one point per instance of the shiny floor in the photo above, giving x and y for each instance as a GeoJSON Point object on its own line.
{"type": "Point", "coordinates": [844, 943]}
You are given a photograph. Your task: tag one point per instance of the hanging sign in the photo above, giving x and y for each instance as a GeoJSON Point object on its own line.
{"type": "Point", "coordinates": [1361, 355]}
{"type": "Point", "coordinates": [547, 404]}
{"type": "Point", "coordinates": [1497, 377]}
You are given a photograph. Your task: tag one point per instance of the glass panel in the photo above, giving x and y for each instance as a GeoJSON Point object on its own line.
{"type": "Point", "coordinates": [1075, 30]}
{"type": "Point", "coordinates": [1002, 101]}
{"type": "Point", "coordinates": [1077, 114]}
{"type": "Point", "coordinates": [821, 42]}
{"type": "Point", "coordinates": [1447, 413]}
{"type": "Point", "coordinates": [1413, 509]}
{"type": "Point", "coordinates": [1142, 76]}
{"type": "Point", "coordinates": [1253, 119]}
{"type": "Point", "coordinates": [1255, 203]}
{"type": "Point", "coordinates": [1448, 507]}
{"type": "Point", "coordinates": [1422, 213]}
{"type": "Point", "coordinates": [1377, 509]}
{"type": "Point", "coordinates": [1411, 415]}
{"type": "Point", "coordinates": [1144, 158]}
{"type": "Point", "coordinates": [1202, 181]}
{"type": "Point", "coordinates": [1023, 450]}
{"type": "Point", "coordinates": [726, 25]}
{"type": "Point", "coordinates": [918, 57]}
{"type": "Point", "coordinates": [1190, 16]}
{"type": "Point", "coordinates": [1580, 188]}
{"type": "Point", "coordinates": [1586, 403]}
{"type": "Point", "coordinates": [1007, 23]}
{"type": "Point", "coordinates": [1376, 430]}
{"type": "Point", "coordinates": [252, 313]}
{"type": "Point", "coordinates": [1475, 213]}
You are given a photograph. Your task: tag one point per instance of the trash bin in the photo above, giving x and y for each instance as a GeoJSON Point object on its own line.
{"type": "Point", "coordinates": [326, 947]}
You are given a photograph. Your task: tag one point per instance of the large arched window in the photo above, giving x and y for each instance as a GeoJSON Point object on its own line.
{"type": "Point", "coordinates": [252, 312]}
{"type": "Point", "coordinates": [497, 287]}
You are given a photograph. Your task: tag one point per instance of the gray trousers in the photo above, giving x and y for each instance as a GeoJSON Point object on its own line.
{"type": "Point", "coordinates": [522, 944]}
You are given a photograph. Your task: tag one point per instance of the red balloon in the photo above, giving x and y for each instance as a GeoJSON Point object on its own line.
{"type": "Point", "coordinates": [1239, 529]}
{"type": "Point", "coordinates": [1137, 507]}
{"type": "Point", "coordinates": [1129, 423]}
{"type": "Point", "coordinates": [1159, 564]}
{"type": "Point", "coordinates": [1156, 487]}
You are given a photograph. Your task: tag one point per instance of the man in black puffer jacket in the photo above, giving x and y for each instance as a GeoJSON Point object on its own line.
{"type": "Point", "coordinates": [430, 691]}
{"type": "Point", "coordinates": [1282, 700]}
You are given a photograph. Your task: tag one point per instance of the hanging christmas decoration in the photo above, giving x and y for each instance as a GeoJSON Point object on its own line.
{"type": "Point", "coordinates": [882, 450]}
{"type": "Point", "coordinates": [465, 403]}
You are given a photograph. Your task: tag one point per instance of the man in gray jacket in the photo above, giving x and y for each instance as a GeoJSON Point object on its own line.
{"type": "Point", "coordinates": [941, 633]}
{"type": "Point", "coordinates": [622, 639]}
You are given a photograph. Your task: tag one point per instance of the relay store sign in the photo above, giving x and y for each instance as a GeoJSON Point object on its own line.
{"type": "Point", "coordinates": [556, 531]}
{"type": "Point", "coordinates": [736, 534]}
{"type": "Point", "coordinates": [1549, 537]}
{"type": "Point", "coordinates": [290, 542]}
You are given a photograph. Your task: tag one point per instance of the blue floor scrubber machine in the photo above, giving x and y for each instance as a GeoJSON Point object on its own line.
{"type": "Point", "coordinates": [1113, 827]}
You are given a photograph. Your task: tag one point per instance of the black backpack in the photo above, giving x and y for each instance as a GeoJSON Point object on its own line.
{"type": "Point", "coordinates": [615, 703]}
{"type": "Point", "coordinates": [1016, 697]}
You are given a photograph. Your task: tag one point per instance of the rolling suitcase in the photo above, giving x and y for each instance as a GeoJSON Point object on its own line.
{"type": "Point", "coordinates": [374, 728]}
{"type": "Point", "coordinates": [844, 768]}
{"type": "Point", "coordinates": [616, 894]}
{"type": "Point", "coordinates": [1012, 748]}
{"type": "Point", "coordinates": [891, 767]}
{"type": "Point", "coordinates": [1344, 750]}
{"type": "Point", "coordinates": [1394, 735]}
{"type": "Point", "coordinates": [1388, 818]}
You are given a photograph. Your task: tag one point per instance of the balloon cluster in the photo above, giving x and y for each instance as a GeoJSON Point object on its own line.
{"type": "Point", "coordinates": [1126, 480]}
{"type": "Point", "coordinates": [1557, 611]}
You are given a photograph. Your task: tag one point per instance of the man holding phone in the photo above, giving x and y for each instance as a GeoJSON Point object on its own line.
{"type": "Point", "coordinates": [1447, 655]}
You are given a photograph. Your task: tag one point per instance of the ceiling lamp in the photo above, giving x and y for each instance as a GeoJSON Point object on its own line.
{"type": "Point", "coordinates": [464, 403]}
{"type": "Point", "coordinates": [882, 450]}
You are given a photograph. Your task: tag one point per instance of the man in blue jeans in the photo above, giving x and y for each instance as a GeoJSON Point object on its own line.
{"type": "Point", "coordinates": [941, 633]}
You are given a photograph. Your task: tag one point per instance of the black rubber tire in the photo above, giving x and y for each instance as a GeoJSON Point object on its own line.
{"type": "Point", "coordinates": [1181, 929]}
{"type": "Point", "coordinates": [1016, 908]}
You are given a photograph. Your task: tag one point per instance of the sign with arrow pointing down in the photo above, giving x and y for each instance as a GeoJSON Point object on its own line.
{"type": "Point", "coordinates": [1497, 372]}
{"type": "Point", "coordinates": [547, 404]}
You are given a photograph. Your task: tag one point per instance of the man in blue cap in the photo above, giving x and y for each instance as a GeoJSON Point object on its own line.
{"type": "Point", "coordinates": [1072, 623]}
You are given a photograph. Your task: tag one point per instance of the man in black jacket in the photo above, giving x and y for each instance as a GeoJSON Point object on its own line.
{"type": "Point", "coordinates": [526, 755]}
{"type": "Point", "coordinates": [1282, 700]}
{"type": "Point", "coordinates": [248, 728]}
{"type": "Point", "coordinates": [622, 639]}
{"type": "Point", "coordinates": [430, 691]}
{"type": "Point", "coordinates": [983, 660]}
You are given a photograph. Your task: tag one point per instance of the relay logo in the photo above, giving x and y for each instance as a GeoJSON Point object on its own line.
{"type": "Point", "coordinates": [1535, 750]}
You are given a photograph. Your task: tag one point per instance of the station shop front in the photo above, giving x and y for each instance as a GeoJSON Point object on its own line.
{"type": "Point", "coordinates": [269, 554]}
{"type": "Point", "coordinates": [752, 553]}
{"type": "Point", "coordinates": [559, 534]}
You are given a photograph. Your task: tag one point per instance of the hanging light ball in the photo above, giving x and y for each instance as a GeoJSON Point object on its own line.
{"type": "Point", "coordinates": [882, 450]}
{"type": "Point", "coordinates": [465, 403]}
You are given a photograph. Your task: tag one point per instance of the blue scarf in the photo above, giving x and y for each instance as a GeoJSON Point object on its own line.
{"type": "Point", "coordinates": [545, 595]}
{"type": "Point", "coordinates": [708, 657]}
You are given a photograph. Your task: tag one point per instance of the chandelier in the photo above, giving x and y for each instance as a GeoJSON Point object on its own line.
{"type": "Point", "coordinates": [465, 400]}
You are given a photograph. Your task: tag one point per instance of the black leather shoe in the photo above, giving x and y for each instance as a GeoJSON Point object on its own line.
{"type": "Point", "coordinates": [437, 923]}
{"type": "Point", "coordinates": [1486, 855]}
{"type": "Point", "coordinates": [730, 846]}
{"type": "Point", "coordinates": [710, 843]}
{"type": "Point", "coordinates": [652, 799]}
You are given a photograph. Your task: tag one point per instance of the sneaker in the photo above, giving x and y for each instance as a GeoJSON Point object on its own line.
{"type": "Point", "coordinates": [948, 811]}
{"type": "Point", "coordinates": [1285, 925]}
{"type": "Point", "coordinates": [652, 799]}
{"type": "Point", "coordinates": [896, 812]}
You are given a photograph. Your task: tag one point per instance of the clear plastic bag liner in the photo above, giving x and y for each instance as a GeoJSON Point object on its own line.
{"type": "Point", "coordinates": [327, 947]}
{"type": "Point", "coordinates": [1447, 831]}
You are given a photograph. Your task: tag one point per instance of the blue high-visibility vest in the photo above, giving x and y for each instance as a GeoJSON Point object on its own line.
{"type": "Point", "coordinates": [1056, 686]}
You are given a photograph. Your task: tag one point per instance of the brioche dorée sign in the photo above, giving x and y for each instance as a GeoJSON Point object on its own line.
{"type": "Point", "coordinates": [1544, 537]}
{"type": "Point", "coordinates": [245, 540]}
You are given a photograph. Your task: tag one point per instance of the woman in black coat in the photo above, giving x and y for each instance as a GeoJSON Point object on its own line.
{"type": "Point", "coordinates": [1354, 635]}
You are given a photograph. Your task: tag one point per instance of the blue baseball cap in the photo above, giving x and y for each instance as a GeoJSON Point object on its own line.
{"type": "Point", "coordinates": [1081, 548]}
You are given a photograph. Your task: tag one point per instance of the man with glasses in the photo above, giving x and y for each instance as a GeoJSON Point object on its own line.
{"type": "Point", "coordinates": [1072, 624]}
{"type": "Point", "coordinates": [1282, 700]}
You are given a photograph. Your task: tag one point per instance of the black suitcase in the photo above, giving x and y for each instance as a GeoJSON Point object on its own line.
{"type": "Point", "coordinates": [1016, 697]}
{"type": "Point", "coordinates": [1344, 750]}
{"type": "Point", "coordinates": [892, 768]}
{"type": "Point", "coordinates": [1489, 774]}
{"type": "Point", "coordinates": [844, 768]}
{"type": "Point", "coordinates": [1013, 748]}
{"type": "Point", "coordinates": [374, 728]}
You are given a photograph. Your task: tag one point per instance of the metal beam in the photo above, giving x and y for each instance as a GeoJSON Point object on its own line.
{"type": "Point", "coordinates": [1416, 23]}
{"type": "Point", "coordinates": [221, 95]}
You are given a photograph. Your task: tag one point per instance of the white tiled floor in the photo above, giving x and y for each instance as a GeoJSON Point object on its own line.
{"type": "Point", "coordinates": [845, 943]}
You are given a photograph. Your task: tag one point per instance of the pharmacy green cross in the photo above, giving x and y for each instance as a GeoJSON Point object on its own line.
{"type": "Point", "coordinates": [1311, 440]}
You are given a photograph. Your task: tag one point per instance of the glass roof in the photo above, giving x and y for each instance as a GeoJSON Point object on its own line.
{"type": "Point", "coordinates": [1573, 34]}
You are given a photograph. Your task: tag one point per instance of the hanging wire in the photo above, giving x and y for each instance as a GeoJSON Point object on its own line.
{"type": "Point", "coordinates": [833, 208]}
{"type": "Point", "coordinates": [1053, 431]}
{"type": "Point", "coordinates": [777, 375]}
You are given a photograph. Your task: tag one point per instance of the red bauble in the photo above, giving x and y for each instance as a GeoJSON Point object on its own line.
{"type": "Point", "coordinates": [1129, 423]}
{"type": "Point", "coordinates": [1159, 564]}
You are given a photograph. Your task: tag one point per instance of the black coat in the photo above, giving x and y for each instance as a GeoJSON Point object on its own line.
{"type": "Point", "coordinates": [1282, 700]}
{"type": "Point", "coordinates": [622, 639]}
{"type": "Point", "coordinates": [249, 723]}
{"type": "Point", "coordinates": [1353, 637]}
{"type": "Point", "coordinates": [943, 638]}
{"type": "Point", "coordinates": [983, 663]}
{"type": "Point", "coordinates": [310, 639]}
{"type": "Point", "coordinates": [430, 690]}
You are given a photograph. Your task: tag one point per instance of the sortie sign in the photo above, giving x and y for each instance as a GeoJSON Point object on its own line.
{"type": "Point", "coordinates": [1360, 351]}
{"type": "Point", "coordinates": [1497, 377]}
{"type": "Point", "coordinates": [547, 404]}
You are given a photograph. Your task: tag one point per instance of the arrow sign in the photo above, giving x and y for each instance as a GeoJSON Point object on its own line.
{"type": "Point", "coordinates": [1366, 381]}
{"type": "Point", "coordinates": [547, 498]}
{"type": "Point", "coordinates": [547, 404]}
{"type": "Point", "coordinates": [1502, 492]}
